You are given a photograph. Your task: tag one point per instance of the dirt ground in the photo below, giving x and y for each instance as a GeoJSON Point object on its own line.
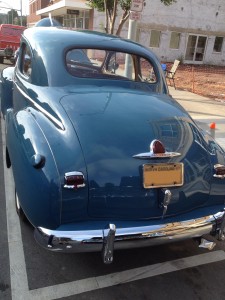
{"type": "Point", "coordinates": [204, 80]}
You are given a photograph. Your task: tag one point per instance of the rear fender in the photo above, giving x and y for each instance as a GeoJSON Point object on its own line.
{"type": "Point", "coordinates": [35, 172]}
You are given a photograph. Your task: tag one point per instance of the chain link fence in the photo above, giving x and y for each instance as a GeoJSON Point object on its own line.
{"type": "Point", "coordinates": [204, 80]}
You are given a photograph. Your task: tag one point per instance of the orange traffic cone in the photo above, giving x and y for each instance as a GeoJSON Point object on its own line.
{"type": "Point", "coordinates": [212, 125]}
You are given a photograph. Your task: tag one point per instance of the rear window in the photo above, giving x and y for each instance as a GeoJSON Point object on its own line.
{"type": "Point", "coordinates": [107, 64]}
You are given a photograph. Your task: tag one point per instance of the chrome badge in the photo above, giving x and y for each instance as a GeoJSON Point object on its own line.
{"type": "Point", "coordinates": [157, 150]}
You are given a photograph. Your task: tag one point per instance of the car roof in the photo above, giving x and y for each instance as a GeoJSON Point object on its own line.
{"type": "Point", "coordinates": [48, 46]}
{"type": "Point", "coordinates": [83, 38]}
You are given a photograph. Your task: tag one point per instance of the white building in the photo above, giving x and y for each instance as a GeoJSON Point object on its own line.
{"type": "Point", "coordinates": [192, 31]}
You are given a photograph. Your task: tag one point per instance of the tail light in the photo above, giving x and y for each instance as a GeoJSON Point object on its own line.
{"type": "Point", "coordinates": [74, 180]}
{"type": "Point", "coordinates": [157, 147]}
{"type": "Point", "coordinates": [219, 171]}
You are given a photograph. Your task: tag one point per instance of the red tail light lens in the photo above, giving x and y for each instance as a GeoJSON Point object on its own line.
{"type": "Point", "coordinates": [74, 180]}
{"type": "Point", "coordinates": [219, 171]}
{"type": "Point", "coordinates": [157, 147]}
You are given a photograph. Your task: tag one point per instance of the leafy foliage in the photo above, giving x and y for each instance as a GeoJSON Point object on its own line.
{"type": "Point", "coordinates": [12, 14]}
{"type": "Point", "coordinates": [168, 2]}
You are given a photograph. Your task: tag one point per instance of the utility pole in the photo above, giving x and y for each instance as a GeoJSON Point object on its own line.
{"type": "Point", "coordinates": [21, 18]}
{"type": "Point", "coordinates": [135, 15]}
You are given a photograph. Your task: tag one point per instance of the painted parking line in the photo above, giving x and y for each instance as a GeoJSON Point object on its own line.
{"type": "Point", "coordinates": [19, 281]}
{"type": "Point", "coordinates": [94, 283]}
{"type": "Point", "coordinates": [18, 274]}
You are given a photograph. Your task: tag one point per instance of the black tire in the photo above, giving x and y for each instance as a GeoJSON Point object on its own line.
{"type": "Point", "coordinates": [1, 59]}
{"type": "Point", "coordinates": [19, 209]}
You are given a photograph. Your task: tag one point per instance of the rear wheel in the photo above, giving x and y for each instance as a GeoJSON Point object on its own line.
{"type": "Point", "coordinates": [1, 59]}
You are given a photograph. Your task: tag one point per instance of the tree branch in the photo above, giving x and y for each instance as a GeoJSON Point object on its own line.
{"type": "Point", "coordinates": [106, 17]}
{"type": "Point", "coordinates": [123, 19]}
{"type": "Point", "coordinates": [113, 16]}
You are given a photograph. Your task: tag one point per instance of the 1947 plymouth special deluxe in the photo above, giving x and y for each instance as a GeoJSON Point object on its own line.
{"type": "Point", "coordinates": [102, 156]}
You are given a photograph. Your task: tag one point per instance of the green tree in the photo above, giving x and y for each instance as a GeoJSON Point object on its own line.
{"type": "Point", "coordinates": [24, 21]}
{"type": "Point", "coordinates": [18, 21]}
{"type": "Point", "coordinates": [12, 14]}
{"type": "Point", "coordinates": [110, 8]}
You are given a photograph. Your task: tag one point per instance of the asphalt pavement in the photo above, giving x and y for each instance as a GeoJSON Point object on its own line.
{"type": "Point", "coordinates": [208, 113]}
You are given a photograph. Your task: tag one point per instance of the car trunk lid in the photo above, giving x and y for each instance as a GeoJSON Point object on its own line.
{"type": "Point", "coordinates": [112, 127]}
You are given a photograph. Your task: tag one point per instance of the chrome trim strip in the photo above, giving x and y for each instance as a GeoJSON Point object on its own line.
{"type": "Point", "coordinates": [92, 240]}
{"type": "Point", "coordinates": [40, 108]}
{"type": "Point", "coordinates": [219, 176]}
{"type": "Point", "coordinates": [73, 186]}
{"type": "Point", "coordinates": [74, 173]}
{"type": "Point", "coordinates": [151, 155]}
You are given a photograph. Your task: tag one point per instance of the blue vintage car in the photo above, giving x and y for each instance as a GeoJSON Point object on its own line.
{"type": "Point", "coordinates": [102, 156]}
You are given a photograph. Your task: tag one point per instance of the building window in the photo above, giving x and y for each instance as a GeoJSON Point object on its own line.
{"type": "Point", "coordinates": [175, 40]}
{"type": "Point", "coordinates": [138, 35]}
{"type": "Point", "coordinates": [218, 44]}
{"type": "Point", "coordinates": [78, 21]}
{"type": "Point", "coordinates": [155, 38]}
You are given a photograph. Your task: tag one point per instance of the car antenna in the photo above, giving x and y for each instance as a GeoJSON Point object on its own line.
{"type": "Point", "coordinates": [48, 22]}
{"type": "Point", "coordinates": [50, 18]}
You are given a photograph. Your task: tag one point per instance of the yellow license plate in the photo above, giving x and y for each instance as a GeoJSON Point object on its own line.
{"type": "Point", "coordinates": [163, 175]}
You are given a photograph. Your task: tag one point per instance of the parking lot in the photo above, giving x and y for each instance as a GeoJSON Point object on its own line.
{"type": "Point", "coordinates": [173, 271]}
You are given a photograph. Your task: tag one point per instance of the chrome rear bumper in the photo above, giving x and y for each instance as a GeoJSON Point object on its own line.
{"type": "Point", "coordinates": [106, 240]}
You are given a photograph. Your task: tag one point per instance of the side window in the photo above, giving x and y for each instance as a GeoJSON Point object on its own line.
{"type": "Point", "coordinates": [25, 65]}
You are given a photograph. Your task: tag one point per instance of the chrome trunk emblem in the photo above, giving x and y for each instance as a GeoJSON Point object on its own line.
{"type": "Point", "coordinates": [157, 150]}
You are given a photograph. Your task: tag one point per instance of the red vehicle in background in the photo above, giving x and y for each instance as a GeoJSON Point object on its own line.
{"type": "Point", "coordinates": [9, 40]}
